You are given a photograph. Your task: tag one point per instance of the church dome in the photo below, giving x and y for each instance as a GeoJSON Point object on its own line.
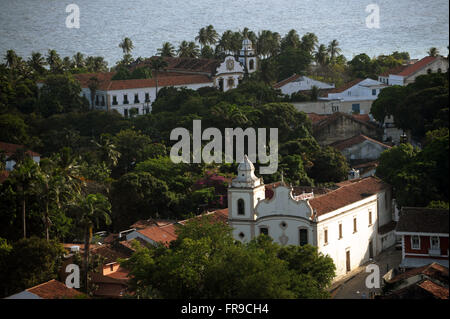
{"type": "Point", "coordinates": [246, 42]}
{"type": "Point", "coordinates": [246, 175]}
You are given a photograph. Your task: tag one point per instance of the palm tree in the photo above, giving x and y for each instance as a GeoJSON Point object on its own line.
{"type": "Point", "coordinates": [291, 40]}
{"type": "Point", "coordinates": [188, 50]}
{"type": "Point", "coordinates": [202, 37]}
{"type": "Point", "coordinates": [167, 50]}
{"type": "Point", "coordinates": [37, 62]}
{"type": "Point", "coordinates": [78, 60]}
{"type": "Point", "coordinates": [333, 49]}
{"type": "Point", "coordinates": [156, 65]}
{"type": "Point", "coordinates": [211, 35]}
{"type": "Point", "coordinates": [90, 210]}
{"type": "Point", "coordinates": [54, 61]}
{"type": "Point", "coordinates": [126, 45]}
{"type": "Point", "coordinates": [11, 59]}
{"type": "Point", "coordinates": [108, 150]}
{"type": "Point", "coordinates": [309, 42]}
{"type": "Point", "coordinates": [225, 42]}
{"type": "Point", "coordinates": [24, 176]}
{"type": "Point", "coordinates": [321, 55]}
{"type": "Point", "coordinates": [433, 51]}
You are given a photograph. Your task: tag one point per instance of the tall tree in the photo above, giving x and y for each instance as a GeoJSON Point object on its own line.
{"type": "Point", "coordinates": [158, 64]}
{"type": "Point", "coordinates": [333, 49]}
{"type": "Point", "coordinates": [126, 45]}
{"type": "Point", "coordinates": [167, 50]}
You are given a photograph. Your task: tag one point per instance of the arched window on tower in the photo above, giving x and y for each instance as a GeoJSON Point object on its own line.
{"type": "Point", "coordinates": [251, 65]}
{"type": "Point", "coordinates": [241, 207]}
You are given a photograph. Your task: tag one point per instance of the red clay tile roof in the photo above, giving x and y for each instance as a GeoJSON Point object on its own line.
{"type": "Point", "coordinates": [54, 289]}
{"type": "Point", "coordinates": [108, 253]}
{"type": "Point", "coordinates": [10, 149]}
{"type": "Point", "coordinates": [163, 234]}
{"type": "Point", "coordinates": [324, 120]}
{"type": "Point", "coordinates": [293, 77]}
{"type": "Point", "coordinates": [413, 68]}
{"type": "Point", "coordinates": [423, 220]}
{"type": "Point", "coordinates": [348, 193]}
{"type": "Point", "coordinates": [340, 145]}
{"type": "Point", "coordinates": [106, 84]}
{"type": "Point", "coordinates": [187, 65]}
{"type": "Point", "coordinates": [362, 117]}
{"type": "Point", "coordinates": [395, 70]}
{"type": "Point", "coordinates": [438, 291]}
{"type": "Point", "coordinates": [433, 270]}
{"type": "Point", "coordinates": [345, 86]}
{"type": "Point", "coordinates": [370, 164]}
{"type": "Point", "coordinates": [120, 274]}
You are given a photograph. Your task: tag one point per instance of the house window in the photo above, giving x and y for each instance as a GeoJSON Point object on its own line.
{"type": "Point", "coordinates": [370, 218]}
{"type": "Point", "coordinates": [97, 102]}
{"type": "Point", "coordinates": [429, 71]}
{"type": "Point", "coordinates": [241, 207]}
{"type": "Point", "coordinates": [264, 230]}
{"type": "Point", "coordinates": [103, 100]}
{"type": "Point", "coordinates": [415, 242]}
{"type": "Point", "coordinates": [340, 230]}
{"type": "Point", "coordinates": [111, 267]}
{"type": "Point", "coordinates": [439, 70]}
{"type": "Point", "coordinates": [355, 108]}
{"type": "Point", "coordinates": [434, 242]}
{"type": "Point", "coordinates": [136, 98]}
{"type": "Point", "coordinates": [147, 97]}
{"type": "Point", "coordinates": [325, 236]}
{"type": "Point", "coordinates": [355, 228]}
{"type": "Point", "coordinates": [303, 236]}
{"type": "Point", "coordinates": [114, 102]}
{"type": "Point", "coordinates": [374, 92]}
{"type": "Point", "coordinates": [125, 112]}
{"type": "Point", "coordinates": [125, 99]}
{"type": "Point", "coordinates": [251, 65]}
{"type": "Point", "coordinates": [241, 235]}
{"type": "Point", "coordinates": [221, 84]}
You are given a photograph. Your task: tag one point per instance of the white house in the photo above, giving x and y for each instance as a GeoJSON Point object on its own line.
{"type": "Point", "coordinates": [137, 95]}
{"type": "Point", "coordinates": [356, 96]}
{"type": "Point", "coordinates": [296, 83]}
{"type": "Point", "coordinates": [343, 223]}
{"type": "Point", "coordinates": [406, 74]}
{"type": "Point", "coordinates": [360, 147]}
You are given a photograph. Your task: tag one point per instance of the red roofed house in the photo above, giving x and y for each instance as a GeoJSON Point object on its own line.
{"type": "Point", "coordinates": [424, 234]}
{"type": "Point", "coordinates": [333, 128]}
{"type": "Point", "coordinates": [136, 96]}
{"type": "Point", "coordinates": [52, 289]}
{"type": "Point", "coordinates": [426, 282]}
{"type": "Point", "coordinates": [406, 74]}
{"type": "Point", "coordinates": [10, 149]}
{"type": "Point", "coordinates": [360, 147]}
{"type": "Point", "coordinates": [351, 224]}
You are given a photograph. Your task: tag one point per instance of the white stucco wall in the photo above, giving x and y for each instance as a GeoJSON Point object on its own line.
{"type": "Point", "coordinates": [365, 150]}
{"type": "Point", "coordinates": [304, 83]}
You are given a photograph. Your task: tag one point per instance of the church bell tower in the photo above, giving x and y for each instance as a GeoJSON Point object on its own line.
{"type": "Point", "coordinates": [247, 56]}
{"type": "Point", "coordinates": [244, 193]}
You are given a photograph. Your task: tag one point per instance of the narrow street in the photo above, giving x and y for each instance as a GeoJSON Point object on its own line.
{"type": "Point", "coordinates": [353, 286]}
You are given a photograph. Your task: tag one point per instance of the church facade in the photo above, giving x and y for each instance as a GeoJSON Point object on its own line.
{"type": "Point", "coordinates": [344, 223]}
{"type": "Point", "coordinates": [135, 96]}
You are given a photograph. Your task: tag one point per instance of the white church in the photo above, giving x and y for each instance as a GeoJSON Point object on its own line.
{"type": "Point", "coordinates": [135, 96]}
{"type": "Point", "coordinates": [351, 224]}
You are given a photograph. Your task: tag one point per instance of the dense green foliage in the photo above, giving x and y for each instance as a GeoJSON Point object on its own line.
{"type": "Point", "coordinates": [206, 262]}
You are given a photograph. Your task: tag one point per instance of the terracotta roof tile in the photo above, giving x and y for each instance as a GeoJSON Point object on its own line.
{"type": "Point", "coordinates": [347, 194]}
{"type": "Point", "coordinates": [54, 289]}
{"type": "Point", "coordinates": [10, 149]}
{"type": "Point", "coordinates": [436, 290]}
{"type": "Point", "coordinates": [423, 220]}
{"type": "Point", "coordinates": [433, 270]}
{"type": "Point", "coordinates": [413, 68]}
{"type": "Point", "coordinates": [187, 65]}
{"type": "Point", "coordinates": [109, 254]}
{"type": "Point", "coordinates": [293, 77]}
{"type": "Point", "coordinates": [325, 119]}
{"type": "Point", "coordinates": [345, 86]}
{"type": "Point", "coordinates": [341, 145]}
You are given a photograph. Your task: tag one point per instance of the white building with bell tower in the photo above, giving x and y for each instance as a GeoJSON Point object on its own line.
{"type": "Point", "coordinates": [247, 56]}
{"type": "Point", "coordinates": [351, 224]}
